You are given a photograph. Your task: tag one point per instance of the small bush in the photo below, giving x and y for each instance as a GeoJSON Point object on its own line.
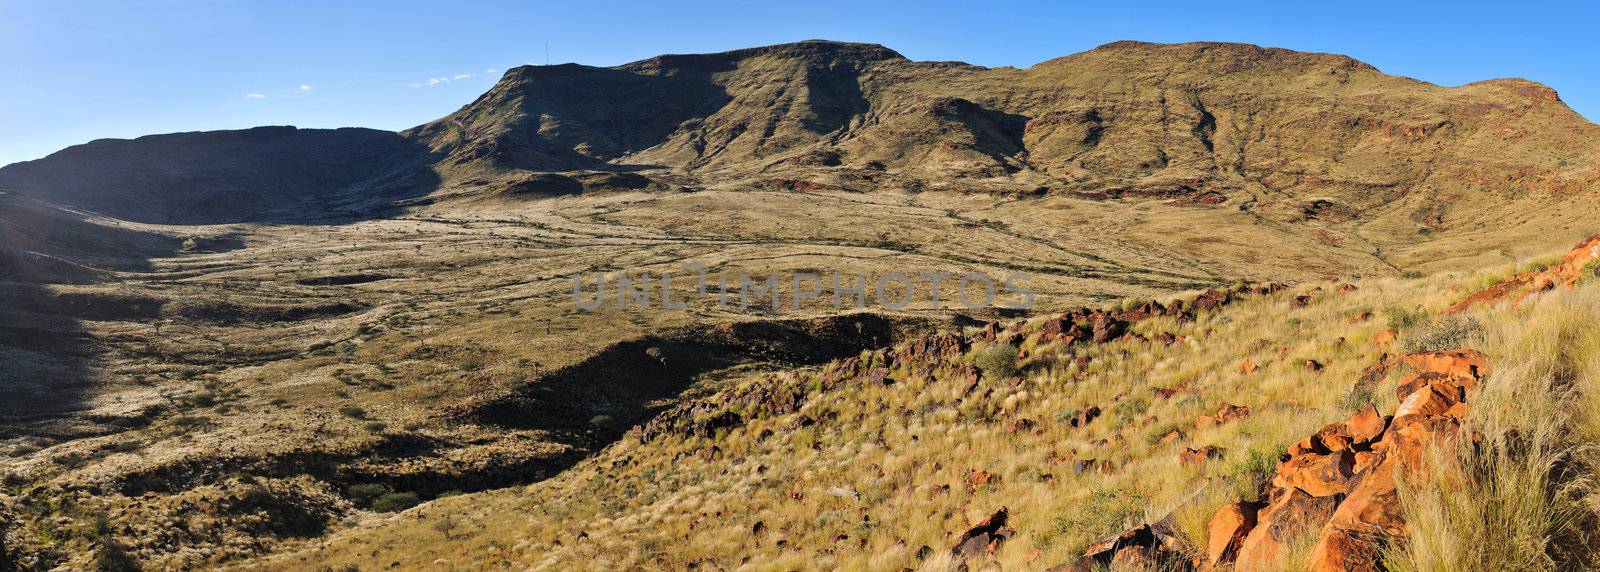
{"type": "Point", "coordinates": [364, 494]}
{"type": "Point", "coordinates": [353, 412]}
{"type": "Point", "coordinates": [376, 426]}
{"type": "Point", "coordinates": [1250, 474]}
{"type": "Point", "coordinates": [395, 502]}
{"type": "Point", "coordinates": [600, 422]}
{"type": "Point", "coordinates": [1445, 333]}
{"type": "Point", "coordinates": [1401, 318]}
{"type": "Point", "coordinates": [998, 361]}
{"type": "Point", "coordinates": [1590, 274]}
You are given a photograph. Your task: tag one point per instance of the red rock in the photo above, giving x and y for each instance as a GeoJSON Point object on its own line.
{"type": "Point", "coordinates": [1086, 416]}
{"type": "Point", "coordinates": [1174, 435]}
{"type": "Point", "coordinates": [1247, 366]}
{"type": "Point", "coordinates": [983, 537]}
{"type": "Point", "coordinates": [1354, 537]}
{"type": "Point", "coordinates": [1144, 547]}
{"type": "Point", "coordinates": [978, 477]}
{"type": "Point", "coordinates": [1227, 531]}
{"type": "Point", "coordinates": [1366, 425]}
{"type": "Point", "coordinates": [1289, 515]}
{"type": "Point", "coordinates": [1470, 364]}
{"type": "Point", "coordinates": [1199, 456]}
{"type": "Point", "coordinates": [1313, 366]}
{"type": "Point", "coordinates": [1362, 316]}
{"type": "Point", "coordinates": [1317, 475]}
{"type": "Point", "coordinates": [1430, 394]}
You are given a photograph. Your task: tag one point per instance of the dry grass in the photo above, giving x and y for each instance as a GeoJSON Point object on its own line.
{"type": "Point", "coordinates": [884, 470]}
{"type": "Point", "coordinates": [1519, 497]}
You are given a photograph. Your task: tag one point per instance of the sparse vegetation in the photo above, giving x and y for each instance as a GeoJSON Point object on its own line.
{"type": "Point", "coordinates": [997, 361]}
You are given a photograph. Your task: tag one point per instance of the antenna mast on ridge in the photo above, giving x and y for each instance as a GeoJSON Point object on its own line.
{"type": "Point", "coordinates": [547, 53]}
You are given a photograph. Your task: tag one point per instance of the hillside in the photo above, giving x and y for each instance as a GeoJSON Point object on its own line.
{"type": "Point", "coordinates": [290, 348]}
{"type": "Point", "coordinates": [228, 176]}
{"type": "Point", "coordinates": [1045, 444]}
{"type": "Point", "coordinates": [1321, 145]}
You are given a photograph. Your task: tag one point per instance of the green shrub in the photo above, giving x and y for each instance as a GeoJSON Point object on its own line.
{"type": "Point", "coordinates": [1448, 332]}
{"type": "Point", "coordinates": [1106, 511]}
{"type": "Point", "coordinates": [1401, 318]}
{"type": "Point", "coordinates": [395, 502]}
{"type": "Point", "coordinates": [364, 494]}
{"type": "Point", "coordinates": [998, 361]}
{"type": "Point", "coordinates": [1251, 474]}
{"type": "Point", "coordinates": [1590, 273]}
{"type": "Point", "coordinates": [353, 412]}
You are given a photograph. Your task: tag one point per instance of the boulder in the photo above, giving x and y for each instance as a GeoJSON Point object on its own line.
{"type": "Point", "coordinates": [983, 537]}
{"type": "Point", "coordinates": [1228, 530]}
{"type": "Point", "coordinates": [1106, 328]}
{"type": "Point", "coordinates": [1290, 514]}
{"type": "Point", "coordinates": [1317, 475]}
{"type": "Point", "coordinates": [1145, 547]}
{"type": "Point", "coordinates": [1228, 413]}
{"type": "Point", "coordinates": [1470, 364]}
{"type": "Point", "coordinates": [1200, 456]}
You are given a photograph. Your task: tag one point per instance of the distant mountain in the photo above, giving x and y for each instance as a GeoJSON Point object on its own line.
{"type": "Point", "coordinates": [1294, 136]}
{"type": "Point", "coordinates": [226, 176]}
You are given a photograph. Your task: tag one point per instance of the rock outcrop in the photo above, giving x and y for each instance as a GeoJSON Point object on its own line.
{"type": "Point", "coordinates": [1341, 482]}
{"type": "Point", "coordinates": [983, 537]}
{"type": "Point", "coordinates": [1583, 260]}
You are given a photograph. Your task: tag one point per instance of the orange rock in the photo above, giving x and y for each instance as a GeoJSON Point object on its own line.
{"type": "Point", "coordinates": [1199, 456]}
{"type": "Point", "coordinates": [1465, 363]}
{"type": "Point", "coordinates": [1172, 436]}
{"type": "Point", "coordinates": [978, 477]}
{"type": "Point", "coordinates": [1363, 316]}
{"type": "Point", "coordinates": [1290, 514]}
{"type": "Point", "coordinates": [1032, 556]}
{"type": "Point", "coordinates": [1431, 394]}
{"type": "Point", "coordinates": [1317, 475]}
{"type": "Point", "coordinates": [1227, 531]}
{"type": "Point", "coordinates": [1247, 366]}
{"type": "Point", "coordinates": [1383, 338]}
{"type": "Point", "coordinates": [1366, 425]}
{"type": "Point", "coordinates": [1371, 512]}
{"type": "Point", "coordinates": [1363, 460]}
{"type": "Point", "coordinates": [1226, 414]}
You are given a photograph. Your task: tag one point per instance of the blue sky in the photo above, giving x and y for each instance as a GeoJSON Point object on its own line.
{"type": "Point", "coordinates": [88, 69]}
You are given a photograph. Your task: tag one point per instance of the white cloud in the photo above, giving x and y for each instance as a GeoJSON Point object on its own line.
{"type": "Point", "coordinates": [255, 95]}
{"type": "Point", "coordinates": [432, 81]}
{"type": "Point", "coordinates": [304, 87]}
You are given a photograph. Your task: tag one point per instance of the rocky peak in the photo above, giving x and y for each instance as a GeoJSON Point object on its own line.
{"type": "Point", "coordinates": [817, 52]}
